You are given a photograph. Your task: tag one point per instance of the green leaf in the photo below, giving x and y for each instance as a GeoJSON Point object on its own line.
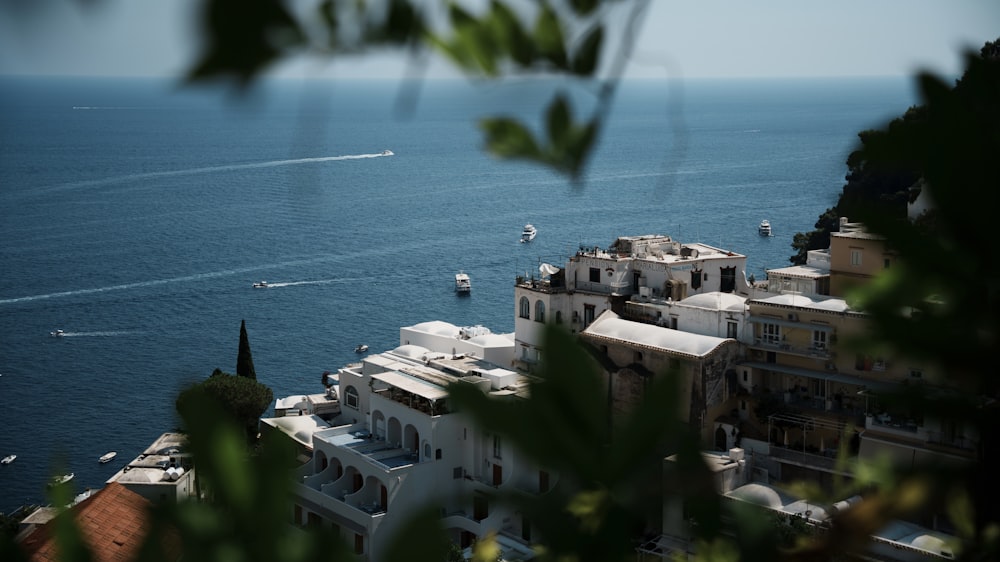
{"type": "Point", "coordinates": [586, 59]}
{"type": "Point", "coordinates": [423, 527]}
{"type": "Point", "coordinates": [549, 37]}
{"type": "Point", "coordinates": [510, 35]}
{"type": "Point", "coordinates": [584, 7]}
{"type": "Point", "coordinates": [507, 138]}
{"type": "Point", "coordinates": [559, 122]}
{"type": "Point", "coordinates": [264, 32]}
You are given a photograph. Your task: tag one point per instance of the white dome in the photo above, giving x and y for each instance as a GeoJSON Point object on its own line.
{"type": "Point", "coordinates": [411, 351]}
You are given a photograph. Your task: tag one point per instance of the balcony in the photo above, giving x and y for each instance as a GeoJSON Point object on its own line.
{"type": "Point", "coordinates": [807, 350]}
{"type": "Point", "coordinates": [541, 285]}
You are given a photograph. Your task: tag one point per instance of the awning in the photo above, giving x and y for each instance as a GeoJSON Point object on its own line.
{"type": "Point", "coordinates": [790, 324]}
{"type": "Point", "coordinates": [412, 385]}
{"type": "Point", "coordinates": [822, 375]}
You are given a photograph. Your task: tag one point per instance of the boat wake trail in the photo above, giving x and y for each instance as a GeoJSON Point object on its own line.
{"type": "Point", "coordinates": [124, 286]}
{"type": "Point", "coordinates": [210, 170]}
{"type": "Point", "coordinates": [95, 334]}
{"type": "Point", "coordinates": [272, 285]}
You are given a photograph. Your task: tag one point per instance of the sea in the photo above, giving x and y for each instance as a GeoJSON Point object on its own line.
{"type": "Point", "coordinates": [137, 213]}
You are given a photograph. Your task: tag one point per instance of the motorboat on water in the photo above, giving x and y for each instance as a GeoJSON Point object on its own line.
{"type": "Point", "coordinates": [387, 153]}
{"type": "Point", "coordinates": [361, 348]}
{"type": "Point", "coordinates": [764, 229]}
{"type": "Point", "coordinates": [260, 285]}
{"type": "Point", "coordinates": [529, 232]}
{"type": "Point", "coordinates": [8, 459]}
{"type": "Point", "coordinates": [462, 283]}
{"type": "Point", "coordinates": [106, 457]}
{"type": "Point", "coordinates": [57, 333]}
{"type": "Point", "coordinates": [57, 480]}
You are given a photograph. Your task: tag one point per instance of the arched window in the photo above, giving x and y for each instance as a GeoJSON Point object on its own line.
{"type": "Point", "coordinates": [525, 308]}
{"type": "Point", "coordinates": [351, 397]}
{"type": "Point", "coordinates": [539, 311]}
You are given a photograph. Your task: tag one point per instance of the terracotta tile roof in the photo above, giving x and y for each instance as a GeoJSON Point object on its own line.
{"type": "Point", "coordinates": [113, 523]}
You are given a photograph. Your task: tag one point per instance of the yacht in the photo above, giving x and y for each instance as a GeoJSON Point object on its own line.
{"type": "Point", "coordinates": [765, 228]}
{"type": "Point", "coordinates": [462, 283]}
{"type": "Point", "coordinates": [260, 285]}
{"type": "Point", "coordinates": [387, 153]}
{"type": "Point", "coordinates": [106, 457]}
{"type": "Point", "coordinates": [57, 480]}
{"type": "Point", "coordinates": [361, 348]}
{"type": "Point", "coordinates": [528, 234]}
{"type": "Point", "coordinates": [57, 333]}
{"type": "Point", "coordinates": [8, 459]}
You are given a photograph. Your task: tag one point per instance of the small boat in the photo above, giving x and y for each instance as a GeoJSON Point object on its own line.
{"type": "Point", "coordinates": [57, 333]}
{"type": "Point", "coordinates": [260, 285]}
{"type": "Point", "coordinates": [387, 153]}
{"type": "Point", "coordinates": [361, 348]}
{"type": "Point", "coordinates": [764, 229]}
{"type": "Point", "coordinates": [528, 234]}
{"type": "Point", "coordinates": [8, 459]}
{"type": "Point", "coordinates": [57, 480]}
{"type": "Point", "coordinates": [462, 282]}
{"type": "Point", "coordinates": [106, 457]}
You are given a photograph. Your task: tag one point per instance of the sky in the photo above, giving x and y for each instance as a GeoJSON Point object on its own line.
{"type": "Point", "coordinates": [689, 39]}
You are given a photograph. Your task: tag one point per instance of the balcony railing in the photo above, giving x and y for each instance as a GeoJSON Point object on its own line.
{"type": "Point", "coordinates": [768, 344]}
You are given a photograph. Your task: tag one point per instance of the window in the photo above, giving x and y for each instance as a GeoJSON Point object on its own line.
{"type": "Point", "coordinates": [351, 397]}
{"type": "Point", "coordinates": [595, 275]}
{"type": "Point", "coordinates": [558, 317]}
{"type": "Point", "coordinates": [437, 454]}
{"type": "Point", "coordinates": [916, 374]}
{"type": "Point", "coordinates": [727, 279]}
{"type": "Point", "coordinates": [819, 339]}
{"type": "Point", "coordinates": [771, 333]}
{"type": "Point", "coordinates": [496, 446]}
{"type": "Point", "coordinates": [731, 330]}
{"type": "Point", "coordinates": [695, 278]}
{"type": "Point", "coordinates": [637, 357]}
{"type": "Point", "coordinates": [525, 308]}
{"type": "Point", "coordinates": [456, 472]}
{"type": "Point", "coordinates": [539, 311]}
{"type": "Point", "coordinates": [855, 256]}
{"type": "Point", "coordinates": [588, 314]}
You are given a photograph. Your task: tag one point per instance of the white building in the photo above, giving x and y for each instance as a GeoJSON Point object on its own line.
{"type": "Point", "coordinates": [652, 269]}
{"type": "Point", "coordinates": [164, 472]}
{"type": "Point", "coordinates": [396, 445]}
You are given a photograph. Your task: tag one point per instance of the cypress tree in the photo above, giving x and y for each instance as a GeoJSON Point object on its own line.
{"type": "Point", "coordinates": [244, 361]}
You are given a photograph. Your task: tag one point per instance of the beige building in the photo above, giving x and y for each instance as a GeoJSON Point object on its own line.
{"type": "Point", "coordinates": [856, 256]}
{"type": "Point", "coordinates": [632, 354]}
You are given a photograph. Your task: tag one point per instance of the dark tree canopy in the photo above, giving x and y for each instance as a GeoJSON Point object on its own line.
{"type": "Point", "coordinates": [243, 399]}
{"type": "Point", "coordinates": [244, 360]}
{"type": "Point", "coordinates": [881, 187]}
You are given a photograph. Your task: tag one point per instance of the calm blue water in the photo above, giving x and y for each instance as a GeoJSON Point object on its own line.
{"type": "Point", "coordinates": [136, 218]}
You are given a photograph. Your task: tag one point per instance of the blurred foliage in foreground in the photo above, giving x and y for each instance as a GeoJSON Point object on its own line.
{"type": "Point", "coordinates": [948, 273]}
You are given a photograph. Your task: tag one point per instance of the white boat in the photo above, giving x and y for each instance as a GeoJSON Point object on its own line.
{"type": "Point", "coordinates": [260, 285]}
{"type": "Point", "coordinates": [106, 457]}
{"type": "Point", "coordinates": [361, 348]}
{"type": "Point", "coordinates": [57, 480]}
{"type": "Point", "coordinates": [764, 229]}
{"type": "Point", "coordinates": [529, 232]}
{"type": "Point", "coordinates": [57, 333]}
{"type": "Point", "coordinates": [462, 282]}
{"type": "Point", "coordinates": [8, 459]}
{"type": "Point", "coordinates": [387, 153]}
